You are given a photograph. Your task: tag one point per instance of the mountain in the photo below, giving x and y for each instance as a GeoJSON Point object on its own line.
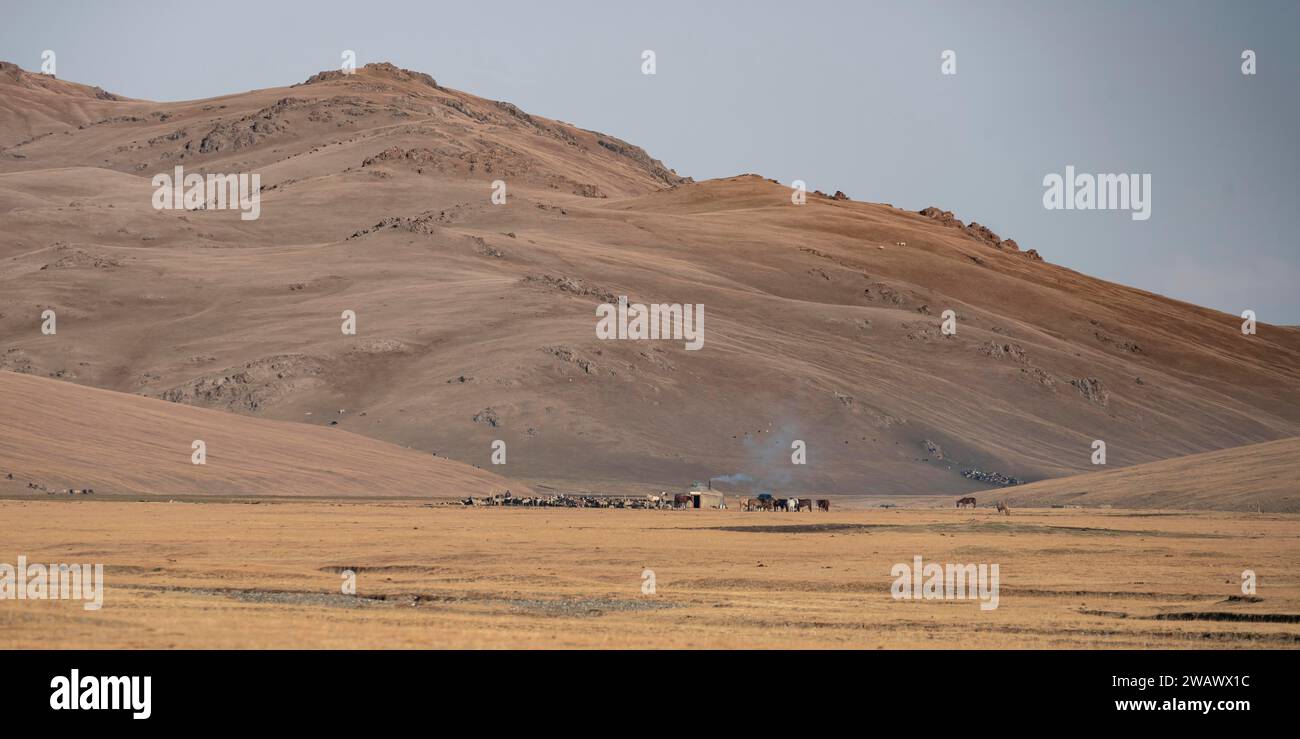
{"type": "Point", "coordinates": [476, 322]}
{"type": "Point", "coordinates": [36, 106]}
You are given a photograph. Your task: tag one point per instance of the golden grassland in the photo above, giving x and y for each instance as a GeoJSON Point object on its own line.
{"type": "Point", "coordinates": [240, 575]}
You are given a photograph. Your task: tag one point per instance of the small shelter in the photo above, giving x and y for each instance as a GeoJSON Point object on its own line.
{"type": "Point", "coordinates": [707, 499]}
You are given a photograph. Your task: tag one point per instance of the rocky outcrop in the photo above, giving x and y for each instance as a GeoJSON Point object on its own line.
{"type": "Point", "coordinates": [642, 159]}
{"type": "Point", "coordinates": [427, 222]}
{"type": "Point", "coordinates": [1091, 389]}
{"type": "Point", "coordinates": [977, 231]}
{"type": "Point", "coordinates": [992, 478]}
{"type": "Point", "coordinates": [999, 350]}
{"type": "Point", "coordinates": [252, 387]}
{"type": "Point", "coordinates": [569, 285]}
{"type": "Point", "coordinates": [247, 131]}
{"type": "Point", "coordinates": [383, 70]}
{"type": "Point", "coordinates": [69, 256]}
{"type": "Point", "coordinates": [568, 354]}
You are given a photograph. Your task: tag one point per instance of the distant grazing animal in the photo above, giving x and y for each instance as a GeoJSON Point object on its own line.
{"type": "Point", "coordinates": [964, 502]}
{"type": "Point", "coordinates": [682, 500]}
{"type": "Point", "coordinates": [805, 504]}
{"type": "Point", "coordinates": [823, 505]}
{"type": "Point", "coordinates": [792, 504]}
{"type": "Point", "coordinates": [1003, 509]}
{"type": "Point", "coordinates": [744, 504]}
{"type": "Point", "coordinates": [780, 504]}
{"type": "Point", "coordinates": [765, 504]}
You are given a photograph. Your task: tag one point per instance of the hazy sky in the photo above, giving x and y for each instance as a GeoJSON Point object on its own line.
{"type": "Point", "coordinates": [845, 96]}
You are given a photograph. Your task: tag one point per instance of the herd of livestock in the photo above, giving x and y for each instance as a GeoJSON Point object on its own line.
{"type": "Point", "coordinates": [970, 502]}
{"type": "Point", "coordinates": [783, 504]}
{"type": "Point", "coordinates": [663, 501]}
{"type": "Point", "coordinates": [679, 501]}
{"type": "Point", "coordinates": [561, 500]}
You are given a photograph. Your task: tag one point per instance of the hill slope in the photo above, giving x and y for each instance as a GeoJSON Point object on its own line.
{"type": "Point", "coordinates": [1264, 477]}
{"type": "Point", "coordinates": [475, 321]}
{"type": "Point", "coordinates": [59, 435]}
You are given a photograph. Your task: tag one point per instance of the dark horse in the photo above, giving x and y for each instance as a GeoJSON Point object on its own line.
{"type": "Point", "coordinates": [823, 505]}
{"type": "Point", "coordinates": [967, 501]}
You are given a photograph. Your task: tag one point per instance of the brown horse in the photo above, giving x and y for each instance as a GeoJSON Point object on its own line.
{"type": "Point", "coordinates": [823, 505]}
{"type": "Point", "coordinates": [1003, 508]}
{"type": "Point", "coordinates": [745, 504]}
{"type": "Point", "coordinates": [967, 501]}
{"type": "Point", "coordinates": [805, 504]}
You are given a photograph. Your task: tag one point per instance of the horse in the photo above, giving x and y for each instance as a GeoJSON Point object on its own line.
{"type": "Point", "coordinates": [967, 501]}
{"type": "Point", "coordinates": [823, 505]}
{"type": "Point", "coordinates": [682, 500]}
{"type": "Point", "coordinates": [1003, 508]}
{"type": "Point", "coordinates": [805, 504]}
{"type": "Point", "coordinates": [780, 504]}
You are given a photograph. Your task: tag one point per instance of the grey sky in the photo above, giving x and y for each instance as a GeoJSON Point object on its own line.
{"type": "Point", "coordinates": [845, 96]}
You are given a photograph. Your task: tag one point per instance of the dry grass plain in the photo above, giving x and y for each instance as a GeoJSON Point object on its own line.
{"type": "Point", "coordinates": [239, 575]}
